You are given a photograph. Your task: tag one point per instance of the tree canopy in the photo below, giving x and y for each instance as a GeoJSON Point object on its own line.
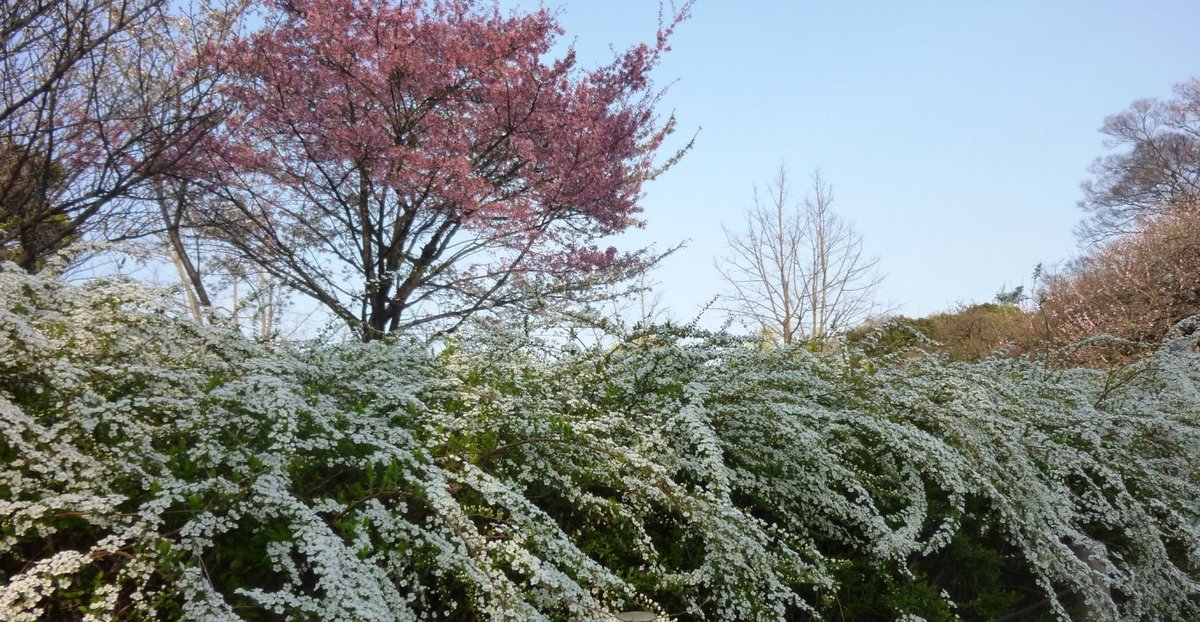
{"type": "Point", "coordinates": [1157, 165]}
{"type": "Point", "coordinates": [417, 163]}
{"type": "Point", "coordinates": [94, 106]}
{"type": "Point", "coordinates": [413, 166]}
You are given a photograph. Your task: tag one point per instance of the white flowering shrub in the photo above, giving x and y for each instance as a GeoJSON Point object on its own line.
{"type": "Point", "coordinates": [155, 470]}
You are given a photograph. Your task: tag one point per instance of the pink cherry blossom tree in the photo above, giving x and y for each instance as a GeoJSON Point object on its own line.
{"type": "Point", "coordinates": [1133, 288]}
{"type": "Point", "coordinates": [416, 163]}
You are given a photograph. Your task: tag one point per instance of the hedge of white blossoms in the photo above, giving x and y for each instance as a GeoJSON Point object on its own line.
{"type": "Point", "coordinates": [153, 470]}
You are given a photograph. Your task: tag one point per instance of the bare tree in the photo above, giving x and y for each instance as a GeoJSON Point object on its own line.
{"type": "Point", "coordinates": [640, 301]}
{"type": "Point", "coordinates": [92, 107]}
{"type": "Point", "coordinates": [1156, 167]}
{"type": "Point", "coordinates": [765, 263]}
{"type": "Point", "coordinates": [208, 274]}
{"type": "Point", "coordinates": [797, 270]}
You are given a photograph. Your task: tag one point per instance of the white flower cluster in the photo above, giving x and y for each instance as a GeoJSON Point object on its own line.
{"type": "Point", "coordinates": [158, 470]}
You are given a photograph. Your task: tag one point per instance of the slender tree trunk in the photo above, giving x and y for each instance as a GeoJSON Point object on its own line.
{"type": "Point", "coordinates": [189, 274]}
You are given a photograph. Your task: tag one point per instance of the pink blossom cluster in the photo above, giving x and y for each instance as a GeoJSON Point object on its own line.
{"type": "Point", "coordinates": [444, 107]}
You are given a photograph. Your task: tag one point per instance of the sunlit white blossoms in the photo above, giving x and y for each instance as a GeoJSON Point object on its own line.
{"type": "Point", "coordinates": [155, 470]}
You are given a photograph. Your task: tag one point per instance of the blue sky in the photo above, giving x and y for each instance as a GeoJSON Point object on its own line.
{"type": "Point", "coordinates": [955, 134]}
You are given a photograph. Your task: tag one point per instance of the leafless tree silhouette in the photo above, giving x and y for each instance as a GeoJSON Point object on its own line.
{"type": "Point", "coordinates": [797, 270]}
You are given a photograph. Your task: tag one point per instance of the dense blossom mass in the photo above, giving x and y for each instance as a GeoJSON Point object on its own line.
{"type": "Point", "coordinates": [422, 171]}
{"type": "Point", "coordinates": [153, 469]}
{"type": "Point", "coordinates": [392, 158]}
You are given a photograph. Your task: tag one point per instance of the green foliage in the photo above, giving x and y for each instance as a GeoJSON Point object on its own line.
{"type": "Point", "coordinates": [971, 333]}
{"type": "Point", "coordinates": [29, 228]}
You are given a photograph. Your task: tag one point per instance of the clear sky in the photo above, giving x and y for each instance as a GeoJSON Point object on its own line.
{"type": "Point", "coordinates": [955, 134]}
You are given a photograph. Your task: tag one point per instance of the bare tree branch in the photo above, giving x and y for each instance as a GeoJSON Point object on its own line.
{"type": "Point", "coordinates": [798, 271]}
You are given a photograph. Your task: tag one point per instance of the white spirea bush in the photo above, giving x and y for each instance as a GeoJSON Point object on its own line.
{"type": "Point", "coordinates": [155, 470]}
